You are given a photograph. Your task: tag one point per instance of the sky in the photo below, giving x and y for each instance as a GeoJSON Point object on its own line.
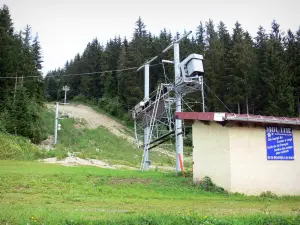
{"type": "Point", "coordinates": [65, 27]}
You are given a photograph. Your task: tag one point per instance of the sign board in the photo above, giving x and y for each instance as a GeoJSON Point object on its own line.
{"type": "Point", "coordinates": [280, 143]}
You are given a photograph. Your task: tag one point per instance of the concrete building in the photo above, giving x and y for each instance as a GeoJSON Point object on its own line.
{"type": "Point", "coordinates": [246, 153]}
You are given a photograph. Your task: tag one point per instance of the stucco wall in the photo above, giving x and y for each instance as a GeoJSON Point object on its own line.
{"type": "Point", "coordinates": [252, 173]}
{"type": "Point", "coordinates": [211, 153]}
{"type": "Point", "coordinates": [235, 158]}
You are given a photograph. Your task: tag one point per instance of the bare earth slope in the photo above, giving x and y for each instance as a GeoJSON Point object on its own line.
{"type": "Point", "coordinates": [94, 119]}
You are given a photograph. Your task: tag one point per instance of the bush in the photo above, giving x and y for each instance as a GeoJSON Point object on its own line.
{"type": "Point", "coordinates": [206, 184]}
{"type": "Point", "coordinates": [268, 194]}
{"type": "Point", "coordinates": [23, 116]}
{"type": "Point", "coordinates": [84, 99]}
{"type": "Point", "coordinates": [127, 118]}
{"type": "Point", "coordinates": [18, 148]}
{"type": "Point", "coordinates": [112, 106]}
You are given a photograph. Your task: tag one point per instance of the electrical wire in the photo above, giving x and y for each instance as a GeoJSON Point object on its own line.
{"type": "Point", "coordinates": [80, 74]}
{"type": "Point", "coordinates": [18, 77]}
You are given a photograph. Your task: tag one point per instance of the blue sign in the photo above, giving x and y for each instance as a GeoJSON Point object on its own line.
{"type": "Point", "coordinates": [280, 144]}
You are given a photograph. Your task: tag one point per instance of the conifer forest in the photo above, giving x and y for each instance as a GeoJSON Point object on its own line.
{"type": "Point", "coordinates": [243, 74]}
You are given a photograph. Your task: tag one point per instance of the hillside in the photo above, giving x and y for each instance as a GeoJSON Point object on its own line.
{"type": "Point", "coordinates": [94, 119]}
{"type": "Point", "coordinates": [100, 140]}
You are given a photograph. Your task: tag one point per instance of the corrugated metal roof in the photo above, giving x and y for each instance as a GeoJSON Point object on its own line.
{"type": "Point", "coordinates": [213, 116]}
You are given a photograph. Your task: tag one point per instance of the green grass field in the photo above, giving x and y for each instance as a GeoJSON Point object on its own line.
{"type": "Point", "coordinates": [36, 193]}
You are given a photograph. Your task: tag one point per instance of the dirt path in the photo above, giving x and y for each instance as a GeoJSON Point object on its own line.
{"type": "Point", "coordinates": [94, 119]}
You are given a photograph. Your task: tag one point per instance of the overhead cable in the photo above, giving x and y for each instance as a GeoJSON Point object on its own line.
{"type": "Point", "coordinates": [79, 74]}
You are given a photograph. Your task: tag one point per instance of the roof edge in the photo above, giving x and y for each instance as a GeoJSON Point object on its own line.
{"type": "Point", "coordinates": [217, 116]}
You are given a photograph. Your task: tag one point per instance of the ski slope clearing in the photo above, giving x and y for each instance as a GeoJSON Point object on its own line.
{"type": "Point", "coordinates": [94, 119]}
{"type": "Point", "coordinates": [94, 139]}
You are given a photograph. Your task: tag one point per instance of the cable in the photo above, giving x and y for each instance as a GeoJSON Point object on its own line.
{"type": "Point", "coordinates": [218, 98]}
{"type": "Point", "coordinates": [79, 74]}
{"type": "Point", "coordinates": [92, 73]}
{"type": "Point", "coordinates": [18, 77]}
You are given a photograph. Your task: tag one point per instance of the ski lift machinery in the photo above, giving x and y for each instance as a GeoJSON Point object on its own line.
{"type": "Point", "coordinates": [154, 119]}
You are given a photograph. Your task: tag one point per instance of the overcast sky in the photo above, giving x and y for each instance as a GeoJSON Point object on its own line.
{"type": "Point", "coordinates": [66, 26]}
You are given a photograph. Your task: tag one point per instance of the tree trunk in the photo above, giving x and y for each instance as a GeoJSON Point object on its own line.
{"type": "Point", "coordinates": [239, 108]}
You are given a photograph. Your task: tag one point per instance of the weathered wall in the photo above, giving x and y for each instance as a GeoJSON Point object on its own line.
{"type": "Point", "coordinates": [252, 173]}
{"type": "Point", "coordinates": [211, 153]}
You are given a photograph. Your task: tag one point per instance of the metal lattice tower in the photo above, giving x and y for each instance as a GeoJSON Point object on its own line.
{"type": "Point", "coordinates": [154, 120]}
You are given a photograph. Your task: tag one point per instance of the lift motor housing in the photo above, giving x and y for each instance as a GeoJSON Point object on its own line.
{"type": "Point", "coordinates": [192, 66]}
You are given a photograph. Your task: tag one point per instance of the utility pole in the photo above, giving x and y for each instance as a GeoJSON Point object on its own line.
{"type": "Point", "coordinates": [178, 122]}
{"type": "Point", "coordinates": [56, 124]}
{"type": "Point", "coordinates": [147, 128]}
{"type": "Point", "coordinates": [202, 93]}
{"type": "Point", "coordinates": [16, 82]}
{"type": "Point", "coordinates": [66, 89]}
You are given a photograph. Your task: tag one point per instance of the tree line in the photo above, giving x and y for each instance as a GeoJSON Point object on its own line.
{"type": "Point", "coordinates": [256, 75]}
{"type": "Point", "coordinates": [21, 81]}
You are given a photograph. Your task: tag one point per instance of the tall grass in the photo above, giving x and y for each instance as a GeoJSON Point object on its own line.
{"type": "Point", "coordinates": [18, 148]}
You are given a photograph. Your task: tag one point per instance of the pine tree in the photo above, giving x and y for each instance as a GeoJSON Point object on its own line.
{"type": "Point", "coordinates": [279, 87]}
{"type": "Point", "coordinates": [210, 64]}
{"type": "Point", "coordinates": [242, 63]}
{"type": "Point", "coordinates": [36, 50]}
{"type": "Point", "coordinates": [20, 99]}
{"type": "Point", "coordinates": [292, 53]}
{"type": "Point", "coordinates": [110, 86]}
{"type": "Point", "coordinates": [200, 38]}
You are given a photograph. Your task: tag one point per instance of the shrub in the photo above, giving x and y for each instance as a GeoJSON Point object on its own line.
{"type": "Point", "coordinates": [23, 116]}
{"type": "Point", "coordinates": [18, 148]}
{"type": "Point", "coordinates": [268, 194]}
{"type": "Point", "coordinates": [112, 106]}
{"type": "Point", "coordinates": [84, 99]}
{"type": "Point", "coordinates": [206, 184]}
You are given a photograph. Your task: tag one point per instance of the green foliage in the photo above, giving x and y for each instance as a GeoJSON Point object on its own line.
{"type": "Point", "coordinates": [112, 106]}
{"type": "Point", "coordinates": [82, 99]}
{"type": "Point", "coordinates": [23, 117]}
{"type": "Point", "coordinates": [21, 99]}
{"type": "Point", "coordinates": [268, 194]}
{"type": "Point", "coordinates": [18, 148]}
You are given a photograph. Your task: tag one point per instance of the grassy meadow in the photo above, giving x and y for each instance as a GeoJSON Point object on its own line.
{"type": "Point", "coordinates": [36, 193]}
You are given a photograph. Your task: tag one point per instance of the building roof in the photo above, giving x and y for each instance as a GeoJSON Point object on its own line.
{"type": "Point", "coordinates": [223, 117]}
